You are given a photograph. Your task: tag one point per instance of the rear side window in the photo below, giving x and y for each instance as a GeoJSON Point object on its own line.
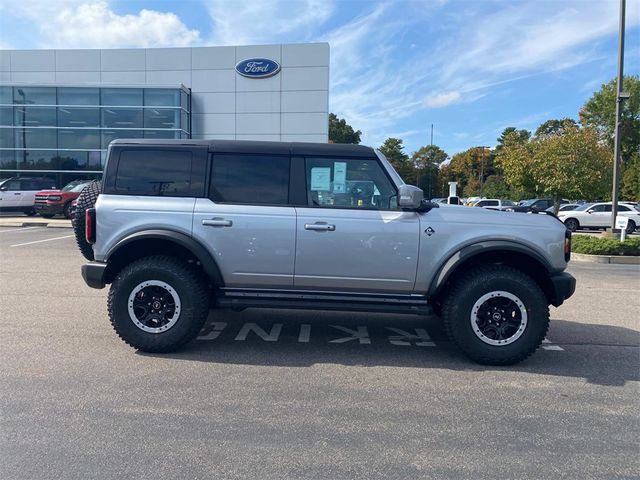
{"type": "Point", "coordinates": [155, 172]}
{"type": "Point", "coordinates": [250, 179]}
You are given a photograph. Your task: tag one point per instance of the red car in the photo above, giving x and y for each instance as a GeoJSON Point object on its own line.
{"type": "Point", "coordinates": [58, 202]}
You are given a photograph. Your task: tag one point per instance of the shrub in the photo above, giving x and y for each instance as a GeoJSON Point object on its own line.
{"type": "Point", "coordinates": [605, 246]}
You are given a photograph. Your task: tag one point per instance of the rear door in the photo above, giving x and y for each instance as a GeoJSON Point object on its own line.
{"type": "Point", "coordinates": [11, 194]}
{"type": "Point", "coordinates": [351, 236]}
{"type": "Point", "coordinates": [247, 222]}
{"type": "Point", "coordinates": [597, 216]}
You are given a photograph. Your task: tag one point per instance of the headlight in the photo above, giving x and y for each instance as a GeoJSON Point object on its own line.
{"type": "Point", "coordinates": [508, 210]}
{"type": "Point", "coordinates": [54, 198]}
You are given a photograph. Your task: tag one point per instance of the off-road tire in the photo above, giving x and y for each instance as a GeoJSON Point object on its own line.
{"type": "Point", "coordinates": [470, 287]}
{"type": "Point", "coordinates": [631, 227]}
{"type": "Point", "coordinates": [572, 224]}
{"type": "Point", "coordinates": [188, 282]}
{"type": "Point", "coordinates": [86, 200]}
{"type": "Point", "coordinates": [67, 210]}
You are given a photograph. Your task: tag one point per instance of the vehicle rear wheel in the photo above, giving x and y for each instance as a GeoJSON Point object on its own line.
{"type": "Point", "coordinates": [67, 210]}
{"type": "Point", "coordinates": [572, 224]}
{"type": "Point", "coordinates": [87, 199]}
{"type": "Point", "coordinates": [631, 227]}
{"type": "Point", "coordinates": [497, 315]}
{"type": "Point", "coordinates": [158, 303]}
{"type": "Point", "coordinates": [47, 215]}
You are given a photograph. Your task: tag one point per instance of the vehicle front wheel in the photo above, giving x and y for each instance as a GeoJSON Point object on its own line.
{"type": "Point", "coordinates": [67, 210]}
{"type": "Point", "coordinates": [572, 224]}
{"type": "Point", "coordinates": [631, 227]}
{"type": "Point", "coordinates": [496, 314]}
{"type": "Point", "coordinates": [158, 303]}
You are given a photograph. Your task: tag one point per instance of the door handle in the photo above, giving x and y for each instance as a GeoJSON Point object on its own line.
{"type": "Point", "coordinates": [17, 193]}
{"type": "Point", "coordinates": [320, 227]}
{"type": "Point", "coordinates": [217, 222]}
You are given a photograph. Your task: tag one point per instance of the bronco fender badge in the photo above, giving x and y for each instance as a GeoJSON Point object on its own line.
{"type": "Point", "coordinates": [429, 231]}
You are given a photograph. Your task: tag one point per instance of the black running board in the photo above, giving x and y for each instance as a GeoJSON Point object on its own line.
{"type": "Point", "coordinates": [239, 299]}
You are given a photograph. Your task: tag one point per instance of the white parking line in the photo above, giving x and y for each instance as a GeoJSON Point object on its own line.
{"type": "Point", "coordinates": [40, 241]}
{"type": "Point", "coordinates": [21, 229]}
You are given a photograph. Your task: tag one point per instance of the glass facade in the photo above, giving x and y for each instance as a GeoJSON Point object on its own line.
{"type": "Point", "coordinates": [64, 132]}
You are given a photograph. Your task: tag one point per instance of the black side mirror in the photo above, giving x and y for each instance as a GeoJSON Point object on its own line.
{"type": "Point", "coordinates": [427, 205]}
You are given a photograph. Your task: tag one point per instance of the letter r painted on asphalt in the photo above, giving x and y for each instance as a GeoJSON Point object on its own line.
{"type": "Point", "coordinates": [405, 339]}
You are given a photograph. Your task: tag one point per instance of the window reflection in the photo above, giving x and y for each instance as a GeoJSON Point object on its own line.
{"type": "Point", "coordinates": [122, 117]}
{"type": "Point", "coordinates": [81, 139]}
{"type": "Point", "coordinates": [121, 96]}
{"type": "Point", "coordinates": [7, 159]}
{"type": "Point", "coordinates": [78, 117]}
{"type": "Point", "coordinates": [34, 116]}
{"type": "Point", "coordinates": [35, 137]}
{"type": "Point", "coordinates": [161, 118]}
{"type": "Point", "coordinates": [34, 95]}
{"type": "Point", "coordinates": [37, 159]}
{"type": "Point", "coordinates": [6, 115]}
{"type": "Point", "coordinates": [162, 97]}
{"type": "Point", "coordinates": [161, 134]}
{"type": "Point", "coordinates": [109, 135]}
{"type": "Point", "coordinates": [6, 95]}
{"type": "Point", "coordinates": [78, 96]}
{"type": "Point", "coordinates": [6, 138]}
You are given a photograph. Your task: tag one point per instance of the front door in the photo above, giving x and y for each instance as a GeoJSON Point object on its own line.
{"type": "Point", "coordinates": [247, 223]}
{"type": "Point", "coordinates": [351, 236]}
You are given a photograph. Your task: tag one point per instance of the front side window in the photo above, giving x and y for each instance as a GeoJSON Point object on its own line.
{"type": "Point", "coordinates": [250, 179]}
{"type": "Point", "coordinates": [597, 208]}
{"type": "Point", "coordinates": [154, 172]}
{"type": "Point", "coordinates": [349, 183]}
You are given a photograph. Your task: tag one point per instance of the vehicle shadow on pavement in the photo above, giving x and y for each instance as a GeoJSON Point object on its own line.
{"type": "Point", "coordinates": [601, 354]}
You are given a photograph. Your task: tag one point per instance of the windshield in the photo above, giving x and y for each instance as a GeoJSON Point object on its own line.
{"type": "Point", "coordinates": [527, 203]}
{"type": "Point", "coordinates": [508, 203]}
{"type": "Point", "coordinates": [75, 186]}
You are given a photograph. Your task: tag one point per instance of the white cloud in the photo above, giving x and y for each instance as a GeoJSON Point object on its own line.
{"type": "Point", "coordinates": [245, 22]}
{"type": "Point", "coordinates": [442, 99]}
{"type": "Point", "coordinates": [93, 24]}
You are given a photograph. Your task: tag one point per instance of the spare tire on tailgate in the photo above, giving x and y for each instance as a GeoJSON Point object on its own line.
{"type": "Point", "coordinates": [86, 200]}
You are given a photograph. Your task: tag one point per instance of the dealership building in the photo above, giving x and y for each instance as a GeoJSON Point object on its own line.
{"type": "Point", "coordinates": [59, 109]}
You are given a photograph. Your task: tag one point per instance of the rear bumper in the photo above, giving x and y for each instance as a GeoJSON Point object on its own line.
{"type": "Point", "coordinates": [93, 274]}
{"type": "Point", "coordinates": [563, 286]}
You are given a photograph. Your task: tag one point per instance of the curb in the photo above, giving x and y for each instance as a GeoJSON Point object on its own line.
{"type": "Point", "coordinates": [35, 224]}
{"type": "Point", "coordinates": [611, 259]}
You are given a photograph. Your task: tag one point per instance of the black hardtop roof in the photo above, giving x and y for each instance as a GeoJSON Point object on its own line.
{"type": "Point", "coordinates": [250, 146]}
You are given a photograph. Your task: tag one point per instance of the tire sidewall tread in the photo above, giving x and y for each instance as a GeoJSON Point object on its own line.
{"type": "Point", "coordinates": [87, 199]}
{"type": "Point", "coordinates": [188, 282]}
{"type": "Point", "coordinates": [469, 288]}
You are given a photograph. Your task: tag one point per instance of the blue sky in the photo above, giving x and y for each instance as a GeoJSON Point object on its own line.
{"type": "Point", "coordinates": [471, 68]}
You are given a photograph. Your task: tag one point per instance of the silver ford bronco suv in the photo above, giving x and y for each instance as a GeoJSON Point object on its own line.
{"type": "Point", "coordinates": [180, 227]}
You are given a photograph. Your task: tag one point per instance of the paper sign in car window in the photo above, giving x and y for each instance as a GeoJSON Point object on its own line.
{"type": "Point", "coordinates": [339, 177]}
{"type": "Point", "coordinates": [320, 179]}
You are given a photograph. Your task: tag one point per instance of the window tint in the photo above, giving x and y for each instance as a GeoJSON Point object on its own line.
{"type": "Point", "coordinates": [608, 208]}
{"type": "Point", "coordinates": [154, 172]}
{"type": "Point", "coordinates": [252, 179]}
{"type": "Point", "coordinates": [598, 208]}
{"type": "Point", "coordinates": [622, 208]}
{"type": "Point", "coordinates": [349, 183]}
{"type": "Point", "coordinates": [12, 185]}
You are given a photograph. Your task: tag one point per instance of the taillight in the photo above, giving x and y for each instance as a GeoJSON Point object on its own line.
{"type": "Point", "coordinates": [90, 225]}
{"type": "Point", "coordinates": [567, 245]}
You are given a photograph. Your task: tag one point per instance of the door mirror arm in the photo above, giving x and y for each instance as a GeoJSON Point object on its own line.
{"type": "Point", "coordinates": [426, 205]}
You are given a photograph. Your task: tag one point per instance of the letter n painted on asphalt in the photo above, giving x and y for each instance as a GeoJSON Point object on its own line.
{"type": "Point", "coordinates": [272, 336]}
{"type": "Point", "coordinates": [359, 334]}
{"type": "Point", "coordinates": [421, 338]}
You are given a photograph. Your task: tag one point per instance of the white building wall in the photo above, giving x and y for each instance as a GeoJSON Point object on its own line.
{"type": "Point", "coordinates": [289, 106]}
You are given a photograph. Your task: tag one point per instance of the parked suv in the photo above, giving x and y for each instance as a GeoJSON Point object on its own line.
{"type": "Point", "coordinates": [180, 227]}
{"type": "Point", "coordinates": [534, 205]}
{"type": "Point", "coordinates": [50, 203]}
{"type": "Point", "coordinates": [18, 194]}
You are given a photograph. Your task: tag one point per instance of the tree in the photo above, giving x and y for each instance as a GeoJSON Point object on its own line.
{"type": "Point", "coordinates": [630, 188]}
{"type": "Point", "coordinates": [569, 164]}
{"type": "Point", "coordinates": [599, 112]}
{"type": "Point", "coordinates": [555, 127]}
{"type": "Point", "coordinates": [467, 168]}
{"type": "Point", "coordinates": [496, 187]}
{"type": "Point", "coordinates": [514, 160]}
{"type": "Point", "coordinates": [393, 150]}
{"type": "Point", "coordinates": [427, 160]}
{"type": "Point", "coordinates": [520, 135]}
{"type": "Point", "coordinates": [341, 132]}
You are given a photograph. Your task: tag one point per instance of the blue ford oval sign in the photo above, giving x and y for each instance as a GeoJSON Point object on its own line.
{"type": "Point", "coordinates": [257, 67]}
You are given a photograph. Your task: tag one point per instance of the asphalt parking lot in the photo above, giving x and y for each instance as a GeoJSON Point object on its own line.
{"type": "Point", "coordinates": [280, 394]}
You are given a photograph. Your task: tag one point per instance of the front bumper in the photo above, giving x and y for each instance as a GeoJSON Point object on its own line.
{"type": "Point", "coordinates": [47, 209]}
{"type": "Point", "coordinates": [563, 285]}
{"type": "Point", "coordinates": [93, 274]}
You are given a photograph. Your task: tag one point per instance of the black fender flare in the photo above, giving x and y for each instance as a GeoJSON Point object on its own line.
{"type": "Point", "coordinates": [208, 263]}
{"type": "Point", "coordinates": [446, 269]}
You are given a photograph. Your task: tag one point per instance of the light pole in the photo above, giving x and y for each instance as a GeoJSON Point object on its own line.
{"type": "Point", "coordinates": [621, 96]}
{"type": "Point", "coordinates": [482, 171]}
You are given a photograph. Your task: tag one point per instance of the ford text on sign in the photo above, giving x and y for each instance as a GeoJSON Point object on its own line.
{"type": "Point", "coordinates": [257, 67]}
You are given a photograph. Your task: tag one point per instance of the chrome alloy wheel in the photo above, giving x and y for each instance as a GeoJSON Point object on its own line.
{"type": "Point", "coordinates": [498, 318]}
{"type": "Point", "coordinates": [154, 306]}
